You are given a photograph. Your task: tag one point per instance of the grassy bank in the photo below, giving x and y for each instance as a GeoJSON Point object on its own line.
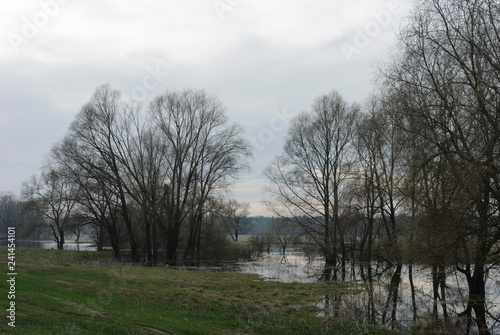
{"type": "Point", "coordinates": [71, 292]}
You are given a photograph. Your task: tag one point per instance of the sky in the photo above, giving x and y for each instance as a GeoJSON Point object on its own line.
{"type": "Point", "coordinates": [266, 61]}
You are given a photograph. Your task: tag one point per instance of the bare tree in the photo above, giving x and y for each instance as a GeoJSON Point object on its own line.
{"type": "Point", "coordinates": [235, 218]}
{"type": "Point", "coordinates": [382, 148]}
{"type": "Point", "coordinates": [366, 145]}
{"type": "Point", "coordinates": [307, 180]}
{"type": "Point", "coordinates": [204, 154]}
{"type": "Point", "coordinates": [285, 232]}
{"type": "Point", "coordinates": [53, 198]}
{"type": "Point", "coordinates": [98, 134]}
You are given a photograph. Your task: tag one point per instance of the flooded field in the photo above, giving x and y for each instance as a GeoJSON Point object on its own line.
{"type": "Point", "coordinates": [379, 302]}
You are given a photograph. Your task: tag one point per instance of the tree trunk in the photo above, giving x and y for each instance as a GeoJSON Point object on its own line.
{"type": "Point", "coordinates": [115, 242]}
{"type": "Point", "coordinates": [392, 296]}
{"type": "Point", "coordinates": [412, 287]}
{"type": "Point", "coordinates": [442, 285]}
{"type": "Point", "coordinates": [172, 243]}
{"type": "Point", "coordinates": [60, 243]}
{"type": "Point", "coordinates": [477, 298]}
{"type": "Point", "coordinates": [128, 223]}
{"type": "Point", "coordinates": [100, 237]}
{"type": "Point", "coordinates": [149, 247]}
{"type": "Point", "coordinates": [435, 297]}
{"type": "Point", "coordinates": [155, 243]}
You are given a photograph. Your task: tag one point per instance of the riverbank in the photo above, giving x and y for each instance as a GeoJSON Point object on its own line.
{"type": "Point", "coordinates": [71, 292]}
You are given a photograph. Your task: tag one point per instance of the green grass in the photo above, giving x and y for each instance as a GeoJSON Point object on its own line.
{"type": "Point", "coordinates": [71, 292]}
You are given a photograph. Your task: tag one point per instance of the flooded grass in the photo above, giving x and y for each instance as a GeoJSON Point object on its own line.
{"type": "Point", "coordinates": [377, 303]}
{"type": "Point", "coordinates": [70, 292]}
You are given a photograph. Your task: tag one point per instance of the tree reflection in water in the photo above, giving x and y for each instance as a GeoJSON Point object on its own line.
{"type": "Point", "coordinates": [417, 298]}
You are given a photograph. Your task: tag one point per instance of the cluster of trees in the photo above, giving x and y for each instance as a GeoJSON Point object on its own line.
{"type": "Point", "coordinates": [144, 180]}
{"type": "Point", "coordinates": [13, 214]}
{"type": "Point", "coordinates": [414, 174]}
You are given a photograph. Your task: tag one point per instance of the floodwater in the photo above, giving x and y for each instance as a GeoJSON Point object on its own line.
{"type": "Point", "coordinates": [52, 245]}
{"type": "Point", "coordinates": [377, 303]}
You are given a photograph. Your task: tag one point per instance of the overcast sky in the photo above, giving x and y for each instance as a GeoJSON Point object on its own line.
{"type": "Point", "coordinates": [265, 60]}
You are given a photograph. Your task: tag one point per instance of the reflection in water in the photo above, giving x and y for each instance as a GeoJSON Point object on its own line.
{"type": "Point", "coordinates": [296, 269]}
{"type": "Point", "coordinates": [400, 297]}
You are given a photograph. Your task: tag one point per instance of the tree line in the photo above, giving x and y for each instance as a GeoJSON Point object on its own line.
{"type": "Point", "coordinates": [144, 180]}
{"type": "Point", "coordinates": [412, 175]}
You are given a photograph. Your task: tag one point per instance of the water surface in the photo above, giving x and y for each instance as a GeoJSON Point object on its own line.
{"type": "Point", "coordinates": [378, 302]}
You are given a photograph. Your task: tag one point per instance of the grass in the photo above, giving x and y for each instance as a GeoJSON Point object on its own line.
{"type": "Point", "coordinates": [72, 292]}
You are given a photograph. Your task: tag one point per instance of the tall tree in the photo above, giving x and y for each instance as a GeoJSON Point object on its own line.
{"type": "Point", "coordinates": [307, 180]}
{"type": "Point", "coordinates": [97, 135]}
{"type": "Point", "coordinates": [366, 144]}
{"type": "Point", "coordinates": [205, 152]}
{"type": "Point", "coordinates": [383, 149]}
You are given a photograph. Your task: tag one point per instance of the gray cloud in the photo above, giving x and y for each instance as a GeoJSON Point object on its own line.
{"type": "Point", "coordinates": [263, 57]}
